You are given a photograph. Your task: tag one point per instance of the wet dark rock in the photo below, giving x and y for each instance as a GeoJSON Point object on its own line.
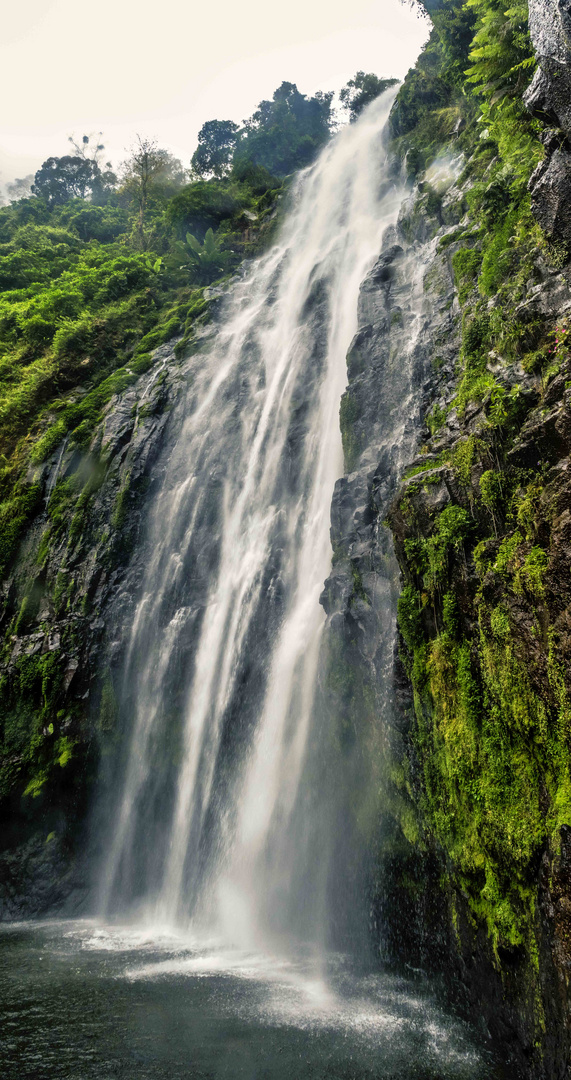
{"type": "Point", "coordinates": [549, 99]}
{"type": "Point", "coordinates": [550, 187]}
{"type": "Point", "coordinates": [80, 634]}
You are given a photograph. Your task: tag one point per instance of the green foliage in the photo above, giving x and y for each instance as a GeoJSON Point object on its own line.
{"type": "Point", "coordinates": [502, 65]}
{"type": "Point", "coordinates": [409, 617]}
{"type": "Point", "coordinates": [81, 310]}
{"type": "Point", "coordinates": [531, 575]}
{"type": "Point", "coordinates": [431, 104]}
{"type": "Point", "coordinates": [476, 381]}
{"type": "Point", "coordinates": [15, 514]}
{"type": "Point", "coordinates": [478, 721]}
{"type": "Point", "coordinates": [429, 557]}
{"type": "Point", "coordinates": [216, 145]}
{"type": "Point", "coordinates": [493, 718]}
{"type": "Point", "coordinates": [361, 90]}
{"type": "Point", "coordinates": [463, 458]}
{"type": "Point", "coordinates": [32, 744]}
{"type": "Point", "coordinates": [454, 24]}
{"type": "Point", "coordinates": [202, 206]}
{"type": "Point", "coordinates": [507, 558]}
{"type": "Point", "coordinates": [453, 525]}
{"type": "Point", "coordinates": [204, 261]}
{"type": "Point", "coordinates": [491, 488]}
{"type": "Point", "coordinates": [526, 504]}
{"type": "Point", "coordinates": [424, 91]}
{"type": "Point", "coordinates": [287, 132]}
{"type": "Point", "coordinates": [150, 177]}
{"type": "Point", "coordinates": [436, 418]}
{"type": "Point", "coordinates": [466, 264]}
{"type": "Point", "coordinates": [450, 614]}
{"type": "Point", "coordinates": [61, 179]}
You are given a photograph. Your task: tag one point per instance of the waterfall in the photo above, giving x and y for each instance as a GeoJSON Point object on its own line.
{"type": "Point", "coordinates": [221, 670]}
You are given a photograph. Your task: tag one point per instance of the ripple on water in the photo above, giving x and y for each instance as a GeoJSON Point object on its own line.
{"type": "Point", "coordinates": [84, 1001]}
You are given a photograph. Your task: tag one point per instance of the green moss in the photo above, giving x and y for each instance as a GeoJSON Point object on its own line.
{"type": "Point", "coordinates": [63, 751]}
{"type": "Point", "coordinates": [526, 504]}
{"type": "Point", "coordinates": [434, 463]}
{"type": "Point", "coordinates": [481, 784]}
{"type": "Point", "coordinates": [15, 514]}
{"type": "Point", "coordinates": [450, 619]}
{"type": "Point", "coordinates": [493, 721]}
{"type": "Point", "coordinates": [120, 509]}
{"type": "Point", "coordinates": [491, 488]}
{"type": "Point", "coordinates": [409, 617]}
{"type": "Point", "coordinates": [508, 558]}
{"type": "Point", "coordinates": [531, 574]}
{"type": "Point", "coordinates": [48, 442]}
{"type": "Point", "coordinates": [466, 265]}
{"type": "Point", "coordinates": [436, 419]}
{"type": "Point", "coordinates": [463, 458]}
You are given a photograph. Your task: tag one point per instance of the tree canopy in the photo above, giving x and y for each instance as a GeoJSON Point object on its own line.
{"type": "Point", "coordinates": [287, 132]}
{"type": "Point", "coordinates": [62, 178]}
{"type": "Point", "coordinates": [216, 145]}
{"type": "Point", "coordinates": [150, 174]}
{"type": "Point", "coordinates": [361, 90]}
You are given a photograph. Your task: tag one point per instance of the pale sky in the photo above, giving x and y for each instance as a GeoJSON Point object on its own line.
{"type": "Point", "coordinates": [163, 68]}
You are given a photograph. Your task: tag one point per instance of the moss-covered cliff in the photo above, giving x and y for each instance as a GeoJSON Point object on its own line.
{"type": "Point", "coordinates": [481, 524]}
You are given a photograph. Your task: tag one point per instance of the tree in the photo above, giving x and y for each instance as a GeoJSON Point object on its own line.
{"type": "Point", "coordinates": [361, 90]}
{"type": "Point", "coordinates": [104, 182]}
{"type": "Point", "coordinates": [150, 171]}
{"type": "Point", "coordinates": [287, 132]}
{"type": "Point", "coordinates": [216, 145]}
{"type": "Point", "coordinates": [61, 179]}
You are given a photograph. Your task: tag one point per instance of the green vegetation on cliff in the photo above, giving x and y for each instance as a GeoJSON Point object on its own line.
{"type": "Point", "coordinates": [480, 527]}
{"type": "Point", "coordinates": [87, 294]}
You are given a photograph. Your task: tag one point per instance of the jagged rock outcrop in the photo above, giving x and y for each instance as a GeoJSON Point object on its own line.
{"type": "Point", "coordinates": [549, 99]}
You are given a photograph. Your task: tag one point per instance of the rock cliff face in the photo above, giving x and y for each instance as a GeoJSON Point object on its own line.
{"type": "Point", "coordinates": [67, 608]}
{"type": "Point", "coordinates": [474, 880]}
{"type": "Point", "coordinates": [62, 613]}
{"type": "Point", "coordinates": [549, 99]}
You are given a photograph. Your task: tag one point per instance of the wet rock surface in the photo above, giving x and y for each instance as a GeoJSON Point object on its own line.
{"type": "Point", "coordinates": [62, 609]}
{"type": "Point", "coordinates": [549, 99]}
{"type": "Point", "coordinates": [402, 368]}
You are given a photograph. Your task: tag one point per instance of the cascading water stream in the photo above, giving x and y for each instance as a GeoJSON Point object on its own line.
{"type": "Point", "coordinates": [225, 647]}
